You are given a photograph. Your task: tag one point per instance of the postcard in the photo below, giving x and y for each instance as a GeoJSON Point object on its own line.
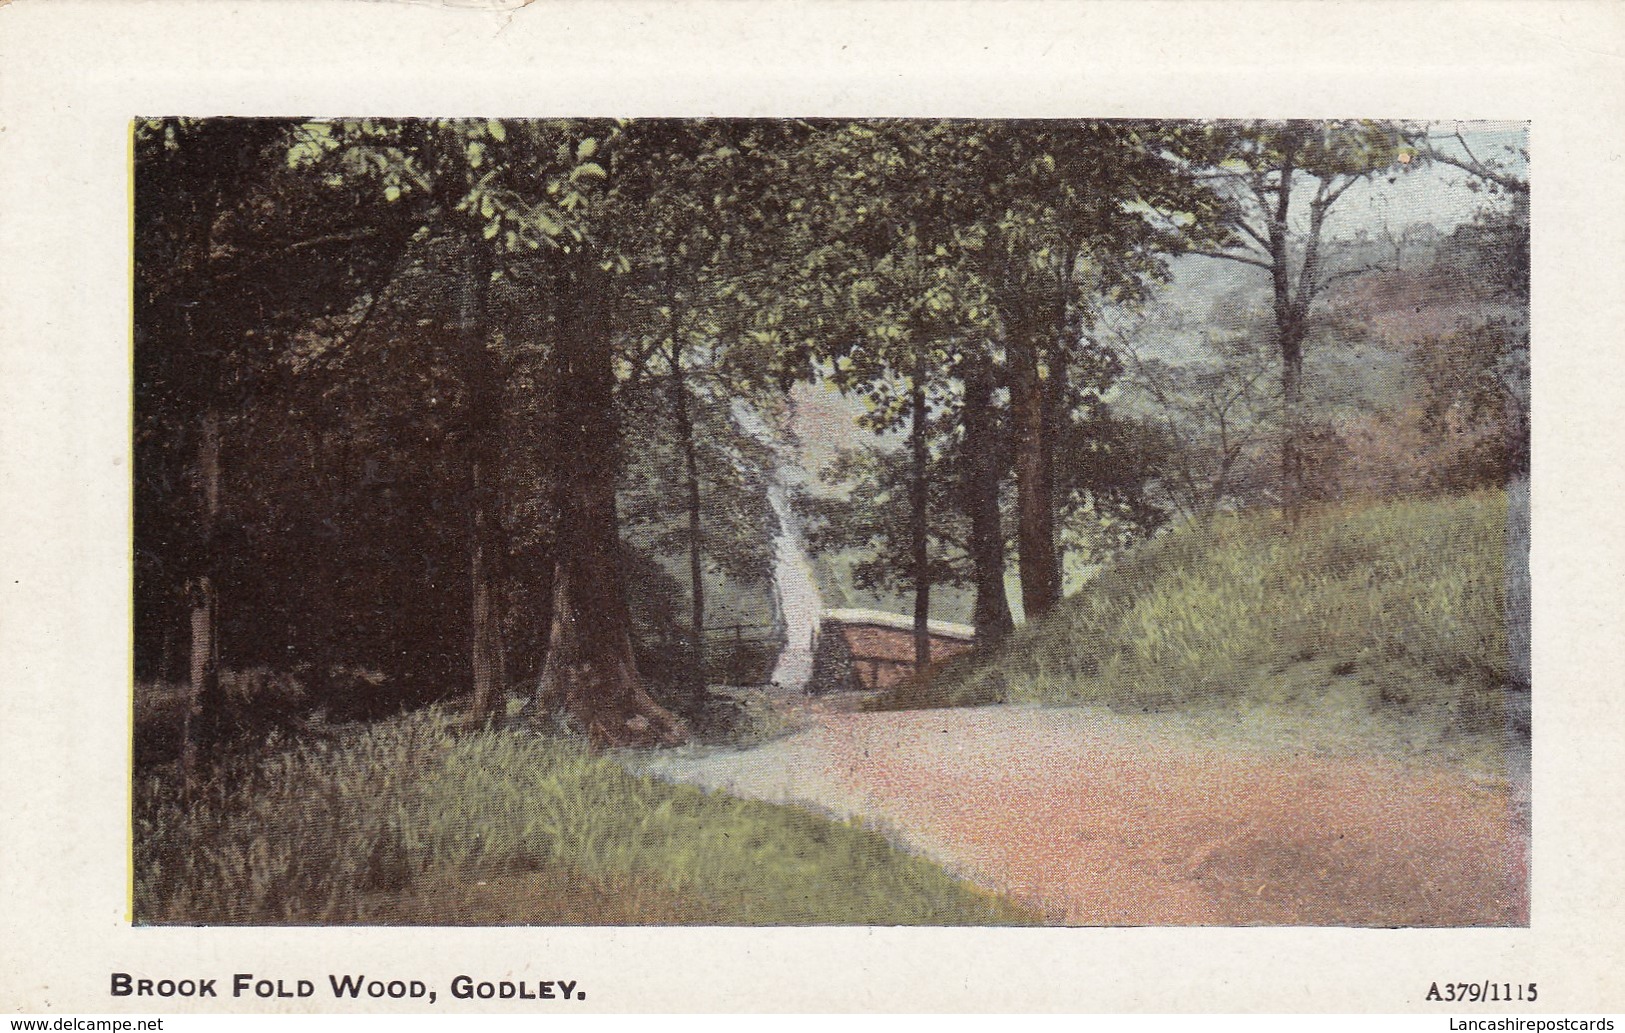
{"type": "Point", "coordinates": [818, 507]}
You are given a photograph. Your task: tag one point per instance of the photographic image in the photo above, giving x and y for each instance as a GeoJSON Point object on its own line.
{"type": "Point", "coordinates": [830, 521]}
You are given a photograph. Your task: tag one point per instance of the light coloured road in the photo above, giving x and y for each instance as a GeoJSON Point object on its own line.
{"type": "Point", "coordinates": [1096, 818]}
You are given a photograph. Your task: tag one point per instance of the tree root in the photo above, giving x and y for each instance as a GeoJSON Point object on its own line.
{"type": "Point", "coordinates": [613, 708]}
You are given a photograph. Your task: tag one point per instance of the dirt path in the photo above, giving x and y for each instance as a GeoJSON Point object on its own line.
{"type": "Point", "coordinates": [1095, 818]}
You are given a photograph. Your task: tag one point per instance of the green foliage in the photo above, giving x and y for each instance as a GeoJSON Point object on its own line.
{"type": "Point", "coordinates": [868, 519]}
{"type": "Point", "coordinates": [1205, 406]}
{"type": "Point", "coordinates": [935, 252]}
{"type": "Point", "coordinates": [1325, 149]}
{"type": "Point", "coordinates": [1403, 605]}
{"type": "Point", "coordinates": [342, 831]}
{"type": "Point", "coordinates": [524, 190]}
{"type": "Point", "coordinates": [732, 470]}
{"type": "Point", "coordinates": [1475, 403]}
{"type": "Point", "coordinates": [242, 259]}
{"type": "Point", "coordinates": [840, 588]}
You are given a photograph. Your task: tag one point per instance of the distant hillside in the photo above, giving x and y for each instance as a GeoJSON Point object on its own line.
{"type": "Point", "coordinates": [1391, 615]}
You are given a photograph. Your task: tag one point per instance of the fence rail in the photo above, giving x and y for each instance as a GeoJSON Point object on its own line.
{"type": "Point", "coordinates": [740, 653]}
{"type": "Point", "coordinates": [761, 634]}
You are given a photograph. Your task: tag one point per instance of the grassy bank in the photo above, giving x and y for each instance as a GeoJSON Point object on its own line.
{"type": "Point", "coordinates": [409, 821]}
{"type": "Point", "coordinates": [1396, 611]}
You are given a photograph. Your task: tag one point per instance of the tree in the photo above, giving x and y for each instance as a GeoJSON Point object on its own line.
{"type": "Point", "coordinates": [991, 246]}
{"type": "Point", "coordinates": [983, 462]}
{"type": "Point", "coordinates": [1105, 462]}
{"type": "Point", "coordinates": [695, 485]}
{"type": "Point", "coordinates": [645, 172]}
{"type": "Point", "coordinates": [549, 207]}
{"type": "Point", "coordinates": [559, 275]}
{"type": "Point", "coordinates": [1210, 412]}
{"type": "Point", "coordinates": [474, 189]}
{"type": "Point", "coordinates": [1265, 167]}
{"type": "Point", "coordinates": [887, 295]}
{"type": "Point", "coordinates": [214, 206]}
{"type": "Point", "coordinates": [687, 369]}
{"type": "Point", "coordinates": [1083, 215]}
{"type": "Point", "coordinates": [1476, 379]}
{"type": "Point", "coordinates": [1475, 408]}
{"type": "Point", "coordinates": [1503, 168]}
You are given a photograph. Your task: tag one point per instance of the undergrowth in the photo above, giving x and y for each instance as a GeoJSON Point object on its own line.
{"type": "Point", "coordinates": [411, 820]}
{"type": "Point", "coordinates": [1401, 606]}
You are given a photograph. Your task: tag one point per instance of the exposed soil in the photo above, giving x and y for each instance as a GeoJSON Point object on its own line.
{"type": "Point", "coordinates": [1096, 818]}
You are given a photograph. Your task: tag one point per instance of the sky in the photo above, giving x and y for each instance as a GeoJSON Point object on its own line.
{"type": "Point", "coordinates": [1438, 194]}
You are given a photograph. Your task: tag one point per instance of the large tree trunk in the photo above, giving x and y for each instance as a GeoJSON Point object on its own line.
{"type": "Point", "coordinates": [590, 672]}
{"type": "Point", "coordinates": [1035, 494]}
{"type": "Point", "coordinates": [920, 519]}
{"type": "Point", "coordinates": [981, 472]}
{"type": "Point", "coordinates": [487, 653]}
{"type": "Point", "coordinates": [486, 547]}
{"type": "Point", "coordinates": [203, 729]}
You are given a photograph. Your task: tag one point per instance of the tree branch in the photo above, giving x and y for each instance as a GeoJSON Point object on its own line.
{"type": "Point", "coordinates": [1247, 228]}
{"type": "Point", "coordinates": [1245, 259]}
{"type": "Point", "coordinates": [1471, 164]}
{"type": "Point", "coordinates": [1343, 274]}
{"type": "Point", "coordinates": [1338, 191]}
{"type": "Point", "coordinates": [1500, 179]}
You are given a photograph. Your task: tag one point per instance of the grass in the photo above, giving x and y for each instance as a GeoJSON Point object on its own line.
{"type": "Point", "coordinates": [1395, 612]}
{"type": "Point", "coordinates": [413, 821]}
